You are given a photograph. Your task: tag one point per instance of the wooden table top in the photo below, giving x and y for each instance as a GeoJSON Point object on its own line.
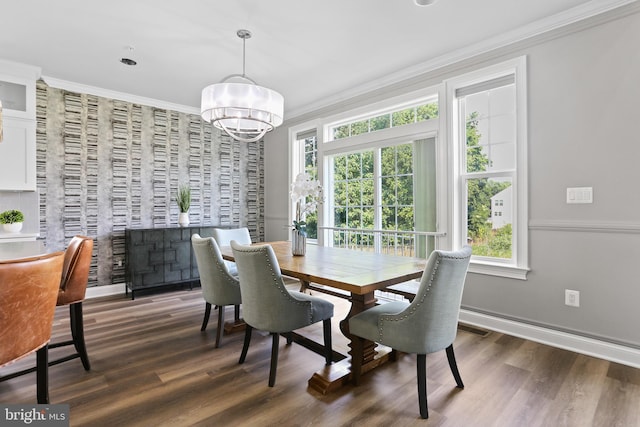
{"type": "Point", "coordinates": [350, 270]}
{"type": "Point", "coordinates": [19, 250]}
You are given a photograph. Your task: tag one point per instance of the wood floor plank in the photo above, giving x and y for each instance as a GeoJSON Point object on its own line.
{"type": "Point", "coordinates": [152, 366]}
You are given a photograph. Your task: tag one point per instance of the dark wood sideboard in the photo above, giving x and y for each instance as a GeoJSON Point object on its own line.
{"type": "Point", "coordinates": [156, 257]}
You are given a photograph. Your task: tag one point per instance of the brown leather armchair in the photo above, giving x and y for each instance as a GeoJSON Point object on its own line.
{"type": "Point", "coordinates": [28, 291]}
{"type": "Point", "coordinates": [73, 286]}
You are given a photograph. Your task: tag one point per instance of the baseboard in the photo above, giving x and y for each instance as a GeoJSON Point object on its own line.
{"type": "Point", "coordinates": [103, 291]}
{"type": "Point", "coordinates": [604, 350]}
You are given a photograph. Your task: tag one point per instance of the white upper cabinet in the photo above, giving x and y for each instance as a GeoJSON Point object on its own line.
{"type": "Point", "coordinates": [18, 147]}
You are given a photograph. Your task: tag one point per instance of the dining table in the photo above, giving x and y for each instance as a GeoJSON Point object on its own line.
{"type": "Point", "coordinates": [352, 274]}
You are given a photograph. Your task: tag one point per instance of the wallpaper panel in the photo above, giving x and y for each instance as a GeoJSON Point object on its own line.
{"type": "Point", "coordinates": [105, 165]}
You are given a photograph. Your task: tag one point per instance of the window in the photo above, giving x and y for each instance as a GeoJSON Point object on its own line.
{"type": "Point", "coordinates": [394, 118]}
{"type": "Point", "coordinates": [306, 144]}
{"type": "Point", "coordinates": [489, 145]}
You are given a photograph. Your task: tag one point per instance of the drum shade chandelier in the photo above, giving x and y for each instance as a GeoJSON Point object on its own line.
{"type": "Point", "coordinates": [238, 106]}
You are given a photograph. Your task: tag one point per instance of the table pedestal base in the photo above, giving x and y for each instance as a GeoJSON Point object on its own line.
{"type": "Point", "coordinates": [338, 374]}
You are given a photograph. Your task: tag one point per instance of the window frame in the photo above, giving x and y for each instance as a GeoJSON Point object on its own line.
{"type": "Point", "coordinates": [518, 266]}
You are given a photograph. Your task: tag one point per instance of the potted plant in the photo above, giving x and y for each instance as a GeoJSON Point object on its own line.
{"type": "Point", "coordinates": [11, 220]}
{"type": "Point", "coordinates": [184, 202]}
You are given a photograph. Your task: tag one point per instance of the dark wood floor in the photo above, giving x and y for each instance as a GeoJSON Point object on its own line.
{"type": "Point", "coordinates": [151, 366]}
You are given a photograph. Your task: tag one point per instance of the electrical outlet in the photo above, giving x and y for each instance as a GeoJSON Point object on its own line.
{"type": "Point", "coordinates": [572, 298]}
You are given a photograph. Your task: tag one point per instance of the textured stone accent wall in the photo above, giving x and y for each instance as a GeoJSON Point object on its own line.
{"type": "Point", "coordinates": [105, 165]}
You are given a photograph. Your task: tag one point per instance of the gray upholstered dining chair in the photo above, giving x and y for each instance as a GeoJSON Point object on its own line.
{"type": "Point", "coordinates": [219, 288]}
{"type": "Point", "coordinates": [269, 306]}
{"type": "Point", "coordinates": [426, 325]}
{"type": "Point", "coordinates": [224, 236]}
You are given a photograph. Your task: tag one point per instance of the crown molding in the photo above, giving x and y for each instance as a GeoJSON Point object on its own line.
{"type": "Point", "coordinates": [557, 21]}
{"type": "Point", "coordinates": [112, 94]}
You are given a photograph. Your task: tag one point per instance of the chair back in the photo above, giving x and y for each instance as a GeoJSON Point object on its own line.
{"type": "Point", "coordinates": [430, 322]}
{"type": "Point", "coordinates": [218, 286]}
{"type": "Point", "coordinates": [28, 291]}
{"type": "Point", "coordinates": [75, 273]}
{"type": "Point", "coordinates": [266, 303]}
{"type": "Point", "coordinates": [224, 236]}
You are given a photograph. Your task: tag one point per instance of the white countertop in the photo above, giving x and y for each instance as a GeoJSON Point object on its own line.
{"type": "Point", "coordinates": [17, 236]}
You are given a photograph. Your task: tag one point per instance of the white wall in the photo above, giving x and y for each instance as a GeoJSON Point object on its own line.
{"type": "Point", "coordinates": [583, 93]}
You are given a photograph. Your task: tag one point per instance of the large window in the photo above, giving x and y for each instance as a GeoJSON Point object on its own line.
{"type": "Point", "coordinates": [489, 141]}
{"type": "Point", "coordinates": [439, 168]}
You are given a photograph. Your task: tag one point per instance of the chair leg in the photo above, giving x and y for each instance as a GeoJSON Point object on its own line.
{"type": "Point", "coordinates": [247, 340]}
{"type": "Point", "coordinates": [451, 357]}
{"type": "Point", "coordinates": [357, 351]}
{"type": "Point", "coordinates": [289, 336]}
{"type": "Point", "coordinates": [207, 313]}
{"type": "Point", "coordinates": [326, 329]}
{"type": "Point", "coordinates": [274, 358]}
{"type": "Point", "coordinates": [220, 324]}
{"type": "Point", "coordinates": [236, 313]}
{"type": "Point", "coordinates": [422, 385]}
{"type": "Point", "coordinates": [77, 333]}
{"type": "Point", "coordinates": [42, 374]}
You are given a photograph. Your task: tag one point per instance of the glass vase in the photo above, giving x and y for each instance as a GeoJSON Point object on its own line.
{"type": "Point", "coordinates": [298, 243]}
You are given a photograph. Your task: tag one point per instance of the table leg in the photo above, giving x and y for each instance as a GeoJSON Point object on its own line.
{"type": "Point", "coordinates": [338, 374]}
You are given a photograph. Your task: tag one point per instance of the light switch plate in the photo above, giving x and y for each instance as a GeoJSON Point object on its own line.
{"type": "Point", "coordinates": [580, 195]}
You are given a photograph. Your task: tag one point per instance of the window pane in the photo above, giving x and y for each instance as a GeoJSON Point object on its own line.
{"type": "Point", "coordinates": [426, 112]}
{"type": "Point", "coordinates": [381, 122]}
{"type": "Point", "coordinates": [341, 132]}
{"type": "Point", "coordinates": [403, 117]}
{"type": "Point", "coordinates": [354, 193]}
{"type": "Point", "coordinates": [490, 217]}
{"type": "Point", "coordinates": [404, 159]}
{"type": "Point", "coordinates": [388, 166]}
{"type": "Point", "coordinates": [388, 218]}
{"type": "Point", "coordinates": [358, 128]}
{"type": "Point", "coordinates": [368, 219]}
{"type": "Point", "coordinates": [388, 186]}
{"type": "Point", "coordinates": [503, 156]}
{"type": "Point", "coordinates": [405, 190]}
{"type": "Point", "coordinates": [340, 217]}
{"type": "Point", "coordinates": [353, 166]}
{"type": "Point", "coordinates": [405, 218]}
{"type": "Point", "coordinates": [340, 168]}
{"type": "Point", "coordinates": [354, 218]}
{"type": "Point", "coordinates": [477, 160]}
{"type": "Point", "coordinates": [340, 193]}
{"type": "Point", "coordinates": [367, 192]}
{"type": "Point", "coordinates": [367, 164]}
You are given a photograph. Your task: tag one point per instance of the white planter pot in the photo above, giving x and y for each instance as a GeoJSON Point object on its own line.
{"type": "Point", "coordinates": [12, 228]}
{"type": "Point", "coordinates": [183, 219]}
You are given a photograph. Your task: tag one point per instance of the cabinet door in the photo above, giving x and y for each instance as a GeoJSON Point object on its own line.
{"type": "Point", "coordinates": [177, 254]}
{"type": "Point", "coordinates": [145, 258]}
{"type": "Point", "coordinates": [18, 155]}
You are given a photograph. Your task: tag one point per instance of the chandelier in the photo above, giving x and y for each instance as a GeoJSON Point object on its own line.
{"type": "Point", "coordinates": [238, 106]}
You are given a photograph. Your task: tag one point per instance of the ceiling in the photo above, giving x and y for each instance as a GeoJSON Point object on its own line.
{"type": "Point", "coordinates": [313, 52]}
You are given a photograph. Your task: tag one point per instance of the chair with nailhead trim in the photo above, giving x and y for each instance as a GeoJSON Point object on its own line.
{"type": "Point", "coordinates": [269, 306]}
{"type": "Point", "coordinates": [426, 325]}
{"type": "Point", "coordinates": [219, 288]}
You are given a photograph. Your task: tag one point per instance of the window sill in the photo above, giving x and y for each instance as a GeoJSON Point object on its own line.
{"type": "Point", "coordinates": [501, 270]}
